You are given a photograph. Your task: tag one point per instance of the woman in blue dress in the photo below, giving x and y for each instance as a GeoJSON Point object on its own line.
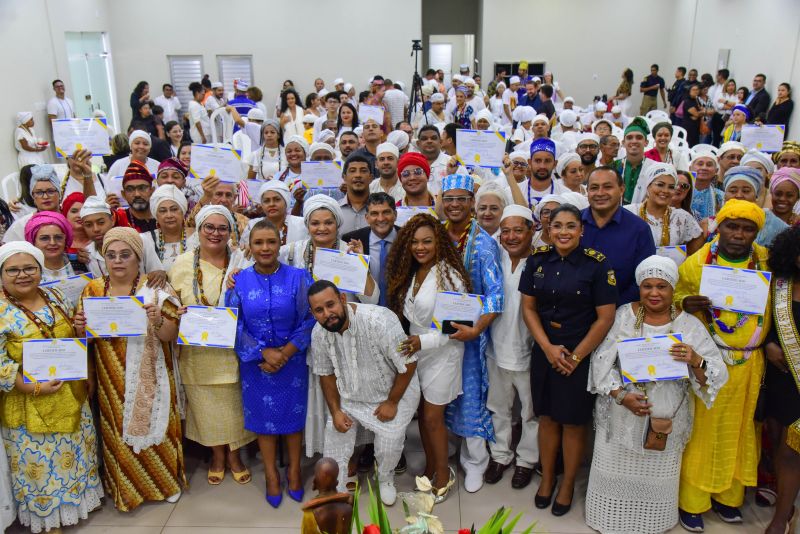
{"type": "Point", "coordinates": [273, 333]}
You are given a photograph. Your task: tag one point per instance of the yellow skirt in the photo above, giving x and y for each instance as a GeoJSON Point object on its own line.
{"type": "Point", "coordinates": [214, 415]}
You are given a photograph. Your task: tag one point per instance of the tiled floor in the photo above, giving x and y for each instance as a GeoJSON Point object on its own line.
{"type": "Point", "coordinates": [231, 508]}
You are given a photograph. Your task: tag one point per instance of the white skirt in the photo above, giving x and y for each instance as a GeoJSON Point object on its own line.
{"type": "Point", "coordinates": [439, 372]}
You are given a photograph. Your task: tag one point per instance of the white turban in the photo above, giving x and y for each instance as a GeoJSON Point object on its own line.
{"type": "Point", "coordinates": [358, 130]}
{"type": "Point", "coordinates": [279, 187]}
{"type": "Point", "coordinates": [348, 86]}
{"type": "Point", "coordinates": [337, 81]}
{"type": "Point", "coordinates": [309, 118]}
{"type": "Point", "coordinates": [706, 151]}
{"type": "Point", "coordinates": [600, 106]}
{"type": "Point", "coordinates": [21, 247]}
{"type": "Point", "coordinates": [213, 209]}
{"type": "Point", "coordinates": [322, 92]}
{"type": "Point", "coordinates": [299, 141]}
{"type": "Point", "coordinates": [44, 173]}
{"type": "Point", "coordinates": [437, 97]}
{"type": "Point", "coordinates": [494, 188]}
{"type": "Point", "coordinates": [575, 199]}
{"type": "Point", "coordinates": [256, 114]}
{"type": "Point", "coordinates": [565, 160]}
{"type": "Point", "coordinates": [484, 114]}
{"type": "Point", "coordinates": [659, 267]}
{"type": "Point", "coordinates": [315, 147]}
{"type": "Point", "coordinates": [94, 205]}
{"type": "Point", "coordinates": [589, 137]}
{"type": "Point", "coordinates": [652, 172]}
{"type": "Point", "coordinates": [398, 138]}
{"type": "Point", "coordinates": [515, 210]}
{"type": "Point", "coordinates": [216, 85]}
{"type": "Point", "coordinates": [731, 145]}
{"type": "Point", "coordinates": [325, 135]}
{"type": "Point", "coordinates": [168, 192]}
{"type": "Point", "coordinates": [537, 211]}
{"type": "Point", "coordinates": [389, 147]}
{"type": "Point", "coordinates": [616, 109]}
{"type": "Point", "coordinates": [520, 154]}
{"type": "Point", "coordinates": [524, 113]}
{"type": "Point", "coordinates": [755, 156]}
{"type": "Point", "coordinates": [541, 117]}
{"type": "Point", "coordinates": [23, 117]}
{"type": "Point", "coordinates": [139, 134]}
{"type": "Point", "coordinates": [318, 202]}
{"type": "Point", "coordinates": [568, 118]}
{"type": "Point", "coordinates": [513, 80]}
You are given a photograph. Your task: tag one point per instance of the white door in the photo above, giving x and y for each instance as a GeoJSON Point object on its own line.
{"type": "Point", "coordinates": [440, 56]}
{"type": "Point", "coordinates": [90, 74]}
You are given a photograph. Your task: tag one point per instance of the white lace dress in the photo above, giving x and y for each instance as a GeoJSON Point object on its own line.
{"type": "Point", "coordinates": [683, 227]}
{"type": "Point", "coordinates": [631, 489]}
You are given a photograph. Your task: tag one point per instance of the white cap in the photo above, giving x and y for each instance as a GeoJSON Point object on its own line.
{"type": "Point", "coordinates": [348, 86]}
{"type": "Point", "coordinates": [731, 145]}
{"type": "Point", "coordinates": [469, 81]}
{"type": "Point", "coordinates": [536, 79]}
{"type": "Point", "coordinates": [616, 109]}
{"type": "Point", "coordinates": [337, 81]}
{"type": "Point", "coordinates": [387, 147]}
{"type": "Point", "coordinates": [520, 154]}
{"type": "Point", "coordinates": [569, 99]}
{"type": "Point", "coordinates": [256, 114]}
{"type": "Point", "coordinates": [216, 85]}
{"type": "Point", "coordinates": [541, 117]}
{"type": "Point", "coordinates": [437, 97]}
{"type": "Point", "coordinates": [568, 118]}
{"type": "Point", "coordinates": [515, 210]}
{"type": "Point", "coordinates": [240, 84]}
{"type": "Point", "coordinates": [457, 78]}
{"type": "Point", "coordinates": [513, 79]}
{"type": "Point", "coordinates": [600, 106]}
{"type": "Point", "coordinates": [463, 66]}
{"type": "Point", "coordinates": [308, 118]}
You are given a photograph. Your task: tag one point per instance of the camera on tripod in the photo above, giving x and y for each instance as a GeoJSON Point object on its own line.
{"type": "Point", "coordinates": [416, 45]}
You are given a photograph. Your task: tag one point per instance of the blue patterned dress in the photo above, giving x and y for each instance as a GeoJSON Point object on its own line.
{"type": "Point", "coordinates": [273, 311]}
{"type": "Point", "coordinates": [706, 203]}
{"type": "Point", "coordinates": [468, 416]}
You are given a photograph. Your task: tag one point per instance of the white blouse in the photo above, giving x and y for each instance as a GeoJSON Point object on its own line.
{"type": "Point", "coordinates": [683, 227]}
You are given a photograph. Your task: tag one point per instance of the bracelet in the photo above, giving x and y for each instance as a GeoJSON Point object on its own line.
{"type": "Point", "coordinates": [37, 388]}
{"type": "Point", "coordinates": [621, 397]}
{"type": "Point", "coordinates": [159, 325]}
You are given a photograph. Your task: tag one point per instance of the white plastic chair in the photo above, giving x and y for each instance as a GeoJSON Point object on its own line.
{"type": "Point", "coordinates": [227, 126]}
{"type": "Point", "coordinates": [10, 188]}
{"type": "Point", "coordinates": [657, 115]}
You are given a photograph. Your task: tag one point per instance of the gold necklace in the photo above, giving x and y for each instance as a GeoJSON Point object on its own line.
{"type": "Point", "coordinates": [664, 222]}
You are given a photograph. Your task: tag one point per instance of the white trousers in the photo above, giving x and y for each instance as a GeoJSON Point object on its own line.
{"type": "Point", "coordinates": [500, 400]}
{"type": "Point", "coordinates": [474, 455]}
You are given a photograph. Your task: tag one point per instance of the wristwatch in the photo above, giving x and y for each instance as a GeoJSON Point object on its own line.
{"type": "Point", "coordinates": [621, 397]}
{"type": "Point", "coordinates": [703, 365]}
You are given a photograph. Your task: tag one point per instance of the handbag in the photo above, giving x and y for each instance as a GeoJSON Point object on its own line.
{"type": "Point", "coordinates": [704, 129]}
{"type": "Point", "coordinates": [659, 429]}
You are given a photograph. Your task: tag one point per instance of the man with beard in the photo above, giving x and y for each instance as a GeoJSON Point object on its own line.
{"type": "Point", "coordinates": [357, 174]}
{"type": "Point", "coordinates": [137, 187]}
{"type": "Point", "coordinates": [429, 142]}
{"type": "Point", "coordinates": [366, 380]}
{"type": "Point", "coordinates": [634, 163]}
{"type": "Point", "coordinates": [387, 169]}
{"type": "Point", "coordinates": [588, 148]}
{"type": "Point", "coordinates": [413, 170]}
{"type": "Point", "coordinates": [348, 143]}
{"type": "Point", "coordinates": [542, 163]}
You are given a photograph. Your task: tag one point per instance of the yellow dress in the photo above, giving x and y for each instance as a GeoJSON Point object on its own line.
{"type": "Point", "coordinates": [210, 376]}
{"type": "Point", "coordinates": [721, 457]}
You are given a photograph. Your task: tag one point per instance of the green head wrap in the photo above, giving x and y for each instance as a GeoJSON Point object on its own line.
{"type": "Point", "coordinates": [638, 124]}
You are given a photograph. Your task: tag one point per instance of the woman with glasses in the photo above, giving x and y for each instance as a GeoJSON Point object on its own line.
{"type": "Point", "coordinates": [569, 297]}
{"type": "Point", "coordinates": [45, 194]}
{"type": "Point", "coordinates": [210, 376]}
{"type": "Point", "coordinates": [169, 205]}
{"type": "Point", "coordinates": [47, 427]}
{"type": "Point", "coordinates": [51, 233]}
{"type": "Point", "coordinates": [141, 427]}
{"type": "Point", "coordinates": [682, 198]}
{"type": "Point", "coordinates": [652, 201]}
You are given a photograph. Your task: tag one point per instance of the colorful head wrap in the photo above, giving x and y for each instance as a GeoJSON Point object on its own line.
{"type": "Point", "coordinates": [168, 192]}
{"type": "Point", "coordinates": [458, 181]}
{"type": "Point", "coordinates": [785, 174]}
{"type": "Point", "coordinates": [741, 209]}
{"type": "Point", "coordinates": [44, 218]}
{"type": "Point", "coordinates": [173, 163]}
{"type": "Point", "coordinates": [659, 267]}
{"type": "Point", "coordinates": [413, 158]}
{"type": "Point", "coordinates": [748, 174]}
{"type": "Point", "coordinates": [213, 209]}
{"type": "Point", "coordinates": [788, 146]}
{"type": "Point", "coordinates": [129, 236]}
{"type": "Point", "coordinates": [20, 247]}
{"type": "Point", "coordinates": [543, 144]}
{"type": "Point", "coordinates": [318, 202]}
{"type": "Point", "coordinates": [638, 124]}
{"type": "Point", "coordinates": [136, 171]}
{"type": "Point", "coordinates": [71, 200]}
{"type": "Point", "coordinates": [744, 109]}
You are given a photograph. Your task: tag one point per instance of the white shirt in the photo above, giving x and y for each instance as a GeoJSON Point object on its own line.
{"type": "Point", "coordinates": [438, 172]}
{"type": "Point", "coordinates": [62, 108]}
{"type": "Point", "coordinates": [119, 166]}
{"type": "Point", "coordinates": [171, 107]}
{"type": "Point", "coordinates": [396, 192]}
{"type": "Point", "coordinates": [395, 101]}
{"type": "Point", "coordinates": [511, 341]}
{"type": "Point", "coordinates": [198, 114]}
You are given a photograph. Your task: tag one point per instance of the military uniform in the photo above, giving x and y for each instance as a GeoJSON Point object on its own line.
{"type": "Point", "coordinates": [567, 290]}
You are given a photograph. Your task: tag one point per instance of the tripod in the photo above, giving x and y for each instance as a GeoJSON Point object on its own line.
{"type": "Point", "coordinates": [416, 84]}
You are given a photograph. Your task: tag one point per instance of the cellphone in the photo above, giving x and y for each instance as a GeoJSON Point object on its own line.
{"type": "Point", "coordinates": [448, 328]}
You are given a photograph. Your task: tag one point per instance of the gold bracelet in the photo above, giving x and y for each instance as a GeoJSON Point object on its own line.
{"type": "Point", "coordinates": [37, 388]}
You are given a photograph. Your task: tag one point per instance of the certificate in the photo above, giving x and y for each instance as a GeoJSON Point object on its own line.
{"type": "Point", "coordinates": [222, 162]}
{"type": "Point", "coordinates": [481, 148]}
{"type": "Point", "coordinates": [676, 253]}
{"type": "Point", "coordinates": [70, 135]}
{"type": "Point", "coordinates": [347, 270]}
{"type": "Point", "coordinates": [366, 112]}
{"type": "Point", "coordinates": [766, 138]}
{"type": "Point", "coordinates": [113, 185]}
{"type": "Point", "coordinates": [315, 174]}
{"type": "Point", "coordinates": [647, 359]}
{"type": "Point", "coordinates": [736, 290]}
{"type": "Point", "coordinates": [208, 326]}
{"type": "Point", "coordinates": [72, 286]}
{"type": "Point", "coordinates": [452, 307]}
{"type": "Point", "coordinates": [54, 359]}
{"type": "Point", "coordinates": [404, 213]}
{"type": "Point", "coordinates": [115, 316]}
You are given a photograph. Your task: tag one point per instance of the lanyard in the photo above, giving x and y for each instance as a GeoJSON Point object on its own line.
{"type": "Point", "coordinates": [538, 199]}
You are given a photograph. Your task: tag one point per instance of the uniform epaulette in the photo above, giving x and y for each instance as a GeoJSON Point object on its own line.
{"type": "Point", "coordinates": [540, 250]}
{"type": "Point", "coordinates": [592, 253]}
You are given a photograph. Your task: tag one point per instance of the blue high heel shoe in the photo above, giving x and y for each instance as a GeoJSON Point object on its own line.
{"type": "Point", "coordinates": [296, 495]}
{"type": "Point", "coordinates": [274, 500]}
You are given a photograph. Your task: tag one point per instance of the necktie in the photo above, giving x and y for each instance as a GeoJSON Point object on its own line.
{"type": "Point", "coordinates": [382, 272]}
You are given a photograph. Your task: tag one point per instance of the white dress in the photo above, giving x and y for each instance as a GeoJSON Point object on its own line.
{"type": "Point", "coordinates": [171, 250]}
{"type": "Point", "coordinates": [294, 126]}
{"type": "Point", "coordinates": [8, 507]}
{"type": "Point", "coordinates": [632, 489]}
{"type": "Point", "coordinates": [295, 229]}
{"type": "Point", "coordinates": [267, 162]}
{"type": "Point", "coordinates": [683, 227]}
{"type": "Point", "coordinates": [26, 157]}
{"type": "Point", "coordinates": [440, 358]}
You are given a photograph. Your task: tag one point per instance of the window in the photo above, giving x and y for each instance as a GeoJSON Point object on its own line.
{"type": "Point", "coordinates": [534, 69]}
{"type": "Point", "coordinates": [232, 67]}
{"type": "Point", "coordinates": [184, 70]}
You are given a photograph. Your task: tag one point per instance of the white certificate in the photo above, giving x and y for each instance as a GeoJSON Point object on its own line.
{"type": "Point", "coordinates": [54, 359]}
{"type": "Point", "coordinates": [676, 253]}
{"type": "Point", "coordinates": [72, 286]}
{"type": "Point", "coordinates": [347, 270]}
{"type": "Point", "coordinates": [316, 174]}
{"type": "Point", "coordinates": [252, 190]}
{"type": "Point", "coordinates": [481, 148]}
{"type": "Point", "coordinates": [222, 162]}
{"type": "Point", "coordinates": [766, 138]}
{"type": "Point", "coordinates": [455, 307]}
{"type": "Point", "coordinates": [208, 326]}
{"type": "Point", "coordinates": [404, 213]}
{"type": "Point", "coordinates": [115, 316]}
{"type": "Point", "coordinates": [70, 135]}
{"type": "Point", "coordinates": [647, 359]}
{"type": "Point", "coordinates": [113, 185]}
{"type": "Point", "coordinates": [366, 112]}
{"type": "Point", "coordinates": [736, 290]}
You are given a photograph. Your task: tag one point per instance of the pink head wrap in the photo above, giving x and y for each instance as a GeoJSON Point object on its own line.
{"type": "Point", "coordinates": [782, 175]}
{"type": "Point", "coordinates": [44, 218]}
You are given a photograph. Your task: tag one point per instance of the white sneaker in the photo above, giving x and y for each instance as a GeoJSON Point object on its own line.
{"type": "Point", "coordinates": [388, 492]}
{"type": "Point", "coordinates": [473, 480]}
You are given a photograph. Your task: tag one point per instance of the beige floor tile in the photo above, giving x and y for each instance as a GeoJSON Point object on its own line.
{"type": "Point", "coordinates": [146, 515]}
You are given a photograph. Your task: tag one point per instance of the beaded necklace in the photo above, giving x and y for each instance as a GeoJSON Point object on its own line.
{"type": "Point", "coordinates": [161, 244]}
{"type": "Point", "coordinates": [107, 285]}
{"type": "Point", "coordinates": [461, 244]}
{"type": "Point", "coordinates": [664, 222]}
{"type": "Point", "coordinates": [714, 314]}
{"type": "Point", "coordinates": [284, 233]}
{"type": "Point", "coordinates": [45, 329]}
{"type": "Point", "coordinates": [197, 286]}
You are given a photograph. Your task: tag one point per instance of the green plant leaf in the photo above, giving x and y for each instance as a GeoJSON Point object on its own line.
{"type": "Point", "coordinates": [359, 526]}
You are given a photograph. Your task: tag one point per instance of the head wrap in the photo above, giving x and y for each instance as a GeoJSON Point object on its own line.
{"type": "Point", "coordinates": [484, 114]}
{"type": "Point", "coordinates": [309, 118]}
{"type": "Point", "coordinates": [638, 124]}
{"type": "Point", "coordinates": [44, 218]}
{"type": "Point", "coordinates": [788, 147]}
{"type": "Point", "coordinates": [569, 99]}
{"type": "Point", "coordinates": [277, 186]}
{"type": "Point", "coordinates": [741, 209]}
{"type": "Point", "coordinates": [256, 114]}
{"type": "Point", "coordinates": [616, 110]}
{"type": "Point", "coordinates": [754, 156]}
{"type": "Point", "coordinates": [597, 123]}
{"type": "Point", "coordinates": [519, 154]}
{"type": "Point", "coordinates": [437, 97]}
{"type": "Point", "coordinates": [23, 117]}
{"type": "Point", "coordinates": [568, 118]}
{"type": "Point", "coordinates": [168, 192]}
{"type": "Point", "coordinates": [704, 152]}
{"type": "Point", "coordinates": [458, 181]}
{"type": "Point", "coordinates": [461, 89]}
{"type": "Point", "coordinates": [139, 134]}
{"type": "Point", "coordinates": [172, 163]}
{"type": "Point", "coordinates": [501, 84]}
{"type": "Point", "coordinates": [348, 86]}
{"type": "Point", "coordinates": [325, 135]}
{"type": "Point", "coordinates": [744, 109]}
{"type": "Point", "coordinates": [661, 125]}
{"type": "Point", "coordinates": [337, 81]}
{"type": "Point", "coordinates": [785, 174]}
{"type": "Point", "coordinates": [388, 147]}
{"type": "Point", "coordinates": [213, 209]}
{"type": "Point", "coordinates": [543, 144]}
{"type": "Point", "coordinates": [129, 236]}
{"type": "Point", "coordinates": [659, 267]}
{"type": "Point", "coordinates": [358, 130]}
{"type": "Point", "coordinates": [20, 247]}
{"type": "Point", "coordinates": [523, 65]}
{"type": "Point", "coordinates": [398, 138]}
{"type": "Point", "coordinates": [748, 174]}
{"type": "Point", "coordinates": [136, 171]}
{"type": "Point", "coordinates": [94, 205]}
{"type": "Point", "coordinates": [216, 85]}
{"type": "Point", "coordinates": [730, 145]}
{"type": "Point", "coordinates": [240, 84]}
{"type": "Point", "coordinates": [541, 117]}
{"type": "Point", "coordinates": [600, 106]}
{"type": "Point", "coordinates": [323, 92]}
{"type": "Point", "coordinates": [575, 199]}
{"type": "Point", "coordinates": [70, 200]}
{"type": "Point", "coordinates": [524, 113]}
{"type": "Point", "coordinates": [270, 122]}
{"type": "Point", "coordinates": [652, 171]}
{"type": "Point", "coordinates": [299, 141]}
{"type": "Point", "coordinates": [564, 160]}
{"type": "Point", "coordinates": [515, 210]}
{"type": "Point", "coordinates": [493, 188]}
{"type": "Point", "coordinates": [537, 210]}
{"type": "Point", "coordinates": [319, 202]}
{"type": "Point", "coordinates": [428, 89]}
{"type": "Point", "coordinates": [413, 158]}
{"type": "Point", "coordinates": [593, 137]}
{"type": "Point", "coordinates": [325, 147]}
{"type": "Point", "coordinates": [536, 79]}
{"type": "Point", "coordinates": [44, 173]}
{"type": "Point", "coordinates": [513, 80]}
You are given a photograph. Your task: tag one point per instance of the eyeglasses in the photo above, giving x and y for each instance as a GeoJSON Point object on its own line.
{"type": "Point", "coordinates": [14, 272]}
{"type": "Point", "coordinates": [123, 256]}
{"type": "Point", "coordinates": [51, 238]}
{"type": "Point", "coordinates": [45, 193]}
{"type": "Point", "coordinates": [588, 147]}
{"type": "Point", "coordinates": [143, 188]}
{"type": "Point", "coordinates": [545, 213]}
{"type": "Point", "coordinates": [684, 186]}
{"type": "Point", "coordinates": [453, 200]}
{"type": "Point", "coordinates": [417, 172]}
{"type": "Point", "coordinates": [520, 164]}
{"type": "Point", "coordinates": [211, 229]}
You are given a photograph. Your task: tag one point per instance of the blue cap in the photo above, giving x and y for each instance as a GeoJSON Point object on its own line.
{"type": "Point", "coordinates": [543, 144]}
{"type": "Point", "coordinates": [458, 181]}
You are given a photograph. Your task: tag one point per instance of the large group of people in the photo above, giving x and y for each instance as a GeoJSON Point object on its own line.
{"type": "Point", "coordinates": [596, 228]}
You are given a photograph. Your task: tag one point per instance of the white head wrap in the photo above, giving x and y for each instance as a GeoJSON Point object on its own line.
{"type": "Point", "coordinates": [323, 92]}
{"type": "Point", "coordinates": [23, 117]}
{"type": "Point", "coordinates": [316, 147]}
{"type": "Point", "coordinates": [731, 145]}
{"type": "Point", "coordinates": [513, 79]}
{"type": "Point", "coordinates": [256, 114]}
{"type": "Point", "coordinates": [484, 114]}
{"type": "Point", "coordinates": [299, 141]}
{"type": "Point", "coordinates": [279, 187]}
{"type": "Point", "coordinates": [216, 85]}
{"type": "Point", "coordinates": [358, 130]}
{"type": "Point", "coordinates": [515, 210]}
{"type": "Point", "coordinates": [501, 84]}
{"type": "Point", "coordinates": [568, 118]}
{"type": "Point", "coordinates": [493, 188]}
{"type": "Point", "coordinates": [569, 99]}
{"type": "Point", "coordinates": [213, 209]}
{"type": "Point", "coordinates": [703, 152]}
{"type": "Point", "coordinates": [325, 135]}
{"type": "Point", "coordinates": [652, 172]}
{"type": "Point", "coordinates": [398, 138]}
{"type": "Point", "coordinates": [575, 199]}
{"type": "Point", "coordinates": [541, 117]}
{"type": "Point", "coordinates": [755, 156]}
{"type": "Point", "coordinates": [318, 202]}
{"type": "Point", "coordinates": [337, 81]}
{"type": "Point", "coordinates": [537, 211]}
{"type": "Point", "coordinates": [309, 118]}
{"type": "Point", "coordinates": [565, 160]}
{"type": "Point", "coordinates": [600, 106]}
{"type": "Point", "coordinates": [388, 147]}
{"type": "Point", "coordinates": [21, 247]}
{"type": "Point", "coordinates": [659, 267]}
{"type": "Point", "coordinates": [94, 205]}
{"type": "Point", "coordinates": [524, 114]}
{"type": "Point", "coordinates": [520, 154]}
{"type": "Point", "coordinates": [589, 137]}
{"type": "Point", "coordinates": [437, 97]}
{"type": "Point", "coordinates": [168, 192]}
{"type": "Point", "coordinates": [348, 86]}
{"type": "Point", "coordinates": [44, 173]}
{"type": "Point", "coordinates": [616, 109]}
{"type": "Point", "coordinates": [139, 134]}
{"type": "Point", "coordinates": [536, 79]}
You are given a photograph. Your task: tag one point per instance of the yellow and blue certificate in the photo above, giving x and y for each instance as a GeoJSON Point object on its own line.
{"type": "Point", "coordinates": [115, 316]}
{"type": "Point", "coordinates": [647, 359]}
{"type": "Point", "coordinates": [54, 359]}
{"type": "Point", "coordinates": [208, 326]}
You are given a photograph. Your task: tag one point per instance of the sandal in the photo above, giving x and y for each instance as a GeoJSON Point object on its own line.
{"type": "Point", "coordinates": [242, 477]}
{"type": "Point", "coordinates": [350, 482]}
{"type": "Point", "coordinates": [215, 478]}
{"type": "Point", "coordinates": [441, 494]}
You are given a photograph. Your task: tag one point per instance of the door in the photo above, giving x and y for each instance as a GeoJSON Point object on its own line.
{"type": "Point", "coordinates": [90, 74]}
